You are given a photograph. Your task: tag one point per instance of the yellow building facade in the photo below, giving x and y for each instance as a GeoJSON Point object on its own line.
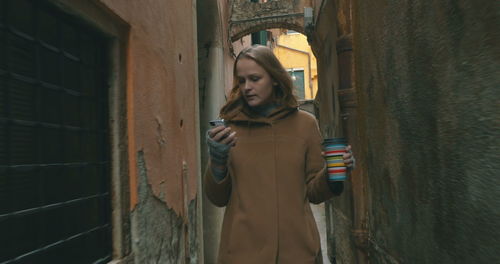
{"type": "Point", "coordinates": [294, 52]}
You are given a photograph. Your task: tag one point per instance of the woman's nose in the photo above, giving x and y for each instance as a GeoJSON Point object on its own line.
{"type": "Point", "coordinates": [248, 86]}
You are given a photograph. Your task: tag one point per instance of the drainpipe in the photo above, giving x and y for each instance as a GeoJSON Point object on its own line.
{"type": "Point", "coordinates": [348, 105]}
{"type": "Point", "coordinates": [308, 65]}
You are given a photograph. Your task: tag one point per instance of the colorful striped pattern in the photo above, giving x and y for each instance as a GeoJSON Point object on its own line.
{"type": "Point", "coordinates": [337, 171]}
{"type": "Point", "coordinates": [342, 177]}
{"type": "Point", "coordinates": [335, 164]}
{"type": "Point", "coordinates": [335, 161]}
{"type": "Point", "coordinates": [334, 152]}
{"type": "Point", "coordinates": [338, 146]}
{"type": "Point", "coordinates": [335, 157]}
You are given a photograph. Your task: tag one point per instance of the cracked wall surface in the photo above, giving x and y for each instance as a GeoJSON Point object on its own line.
{"type": "Point", "coordinates": [157, 231]}
{"type": "Point", "coordinates": [162, 128]}
{"type": "Point", "coordinates": [428, 84]}
{"type": "Point", "coordinates": [159, 234]}
{"type": "Point", "coordinates": [162, 94]}
{"type": "Point", "coordinates": [427, 118]}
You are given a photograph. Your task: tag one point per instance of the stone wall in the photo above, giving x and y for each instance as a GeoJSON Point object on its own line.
{"type": "Point", "coordinates": [247, 17]}
{"type": "Point", "coordinates": [427, 80]}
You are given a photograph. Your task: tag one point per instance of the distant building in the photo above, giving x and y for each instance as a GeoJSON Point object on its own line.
{"type": "Point", "coordinates": [294, 52]}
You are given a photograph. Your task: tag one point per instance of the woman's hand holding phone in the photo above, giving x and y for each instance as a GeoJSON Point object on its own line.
{"type": "Point", "coordinates": [223, 134]}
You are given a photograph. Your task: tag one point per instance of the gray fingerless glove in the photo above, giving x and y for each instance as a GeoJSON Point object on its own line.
{"type": "Point", "coordinates": [218, 155]}
{"type": "Point", "coordinates": [218, 151]}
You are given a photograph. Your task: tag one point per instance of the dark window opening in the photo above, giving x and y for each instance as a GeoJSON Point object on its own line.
{"type": "Point", "coordinates": [54, 146]}
{"type": "Point", "coordinates": [260, 37]}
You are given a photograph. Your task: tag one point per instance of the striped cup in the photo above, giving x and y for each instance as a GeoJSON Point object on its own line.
{"type": "Point", "coordinates": [334, 150]}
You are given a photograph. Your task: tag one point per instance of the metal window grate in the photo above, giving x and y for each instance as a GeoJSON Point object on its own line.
{"type": "Point", "coordinates": [54, 149]}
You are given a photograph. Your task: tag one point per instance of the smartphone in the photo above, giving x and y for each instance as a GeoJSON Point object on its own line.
{"type": "Point", "coordinates": [217, 122]}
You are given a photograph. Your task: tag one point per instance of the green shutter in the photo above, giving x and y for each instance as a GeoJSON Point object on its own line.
{"type": "Point", "coordinates": [259, 37]}
{"type": "Point", "coordinates": [263, 37]}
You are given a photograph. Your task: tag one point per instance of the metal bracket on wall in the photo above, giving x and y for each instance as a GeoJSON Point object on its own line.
{"type": "Point", "coordinates": [360, 238]}
{"type": "Point", "coordinates": [347, 98]}
{"type": "Point", "coordinates": [344, 115]}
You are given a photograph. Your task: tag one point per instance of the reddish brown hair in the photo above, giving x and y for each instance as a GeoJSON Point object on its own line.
{"type": "Point", "coordinates": [282, 92]}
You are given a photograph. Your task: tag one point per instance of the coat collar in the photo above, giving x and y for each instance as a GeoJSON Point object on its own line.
{"type": "Point", "coordinates": [247, 116]}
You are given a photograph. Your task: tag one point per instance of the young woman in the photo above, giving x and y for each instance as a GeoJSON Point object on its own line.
{"type": "Point", "coordinates": [266, 165]}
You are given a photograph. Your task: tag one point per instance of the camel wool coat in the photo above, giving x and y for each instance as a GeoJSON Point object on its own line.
{"type": "Point", "coordinates": [274, 171]}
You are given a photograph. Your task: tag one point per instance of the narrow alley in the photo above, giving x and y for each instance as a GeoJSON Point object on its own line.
{"type": "Point", "coordinates": [105, 107]}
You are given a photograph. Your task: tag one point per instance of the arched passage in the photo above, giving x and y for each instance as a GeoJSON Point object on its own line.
{"type": "Point", "coordinates": [249, 16]}
{"type": "Point", "coordinates": [222, 30]}
{"type": "Point", "coordinates": [331, 41]}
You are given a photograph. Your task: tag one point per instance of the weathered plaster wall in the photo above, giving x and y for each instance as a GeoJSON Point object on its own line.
{"type": "Point", "coordinates": [154, 240]}
{"type": "Point", "coordinates": [162, 73]}
{"type": "Point", "coordinates": [427, 77]}
{"type": "Point", "coordinates": [160, 235]}
{"type": "Point", "coordinates": [163, 132]}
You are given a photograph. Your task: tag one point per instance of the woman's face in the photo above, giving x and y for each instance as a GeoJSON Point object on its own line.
{"type": "Point", "coordinates": [255, 84]}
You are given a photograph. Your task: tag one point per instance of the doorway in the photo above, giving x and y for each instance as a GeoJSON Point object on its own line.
{"type": "Point", "coordinates": [54, 137]}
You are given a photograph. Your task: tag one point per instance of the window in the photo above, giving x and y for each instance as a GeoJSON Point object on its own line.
{"type": "Point", "coordinates": [54, 148]}
{"type": "Point", "coordinates": [298, 82]}
{"type": "Point", "coordinates": [260, 37]}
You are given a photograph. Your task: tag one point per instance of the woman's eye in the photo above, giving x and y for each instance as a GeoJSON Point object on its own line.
{"type": "Point", "coordinates": [254, 79]}
{"type": "Point", "coordinates": [240, 81]}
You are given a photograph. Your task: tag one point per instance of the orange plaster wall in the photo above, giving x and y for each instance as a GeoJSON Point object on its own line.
{"type": "Point", "coordinates": [162, 95]}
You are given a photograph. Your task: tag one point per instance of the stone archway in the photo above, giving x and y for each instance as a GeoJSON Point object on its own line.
{"type": "Point", "coordinates": [247, 17]}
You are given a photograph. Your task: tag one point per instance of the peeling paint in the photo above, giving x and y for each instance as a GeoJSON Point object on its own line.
{"type": "Point", "coordinates": [159, 234]}
{"type": "Point", "coordinates": [193, 234]}
{"type": "Point", "coordinates": [156, 229]}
